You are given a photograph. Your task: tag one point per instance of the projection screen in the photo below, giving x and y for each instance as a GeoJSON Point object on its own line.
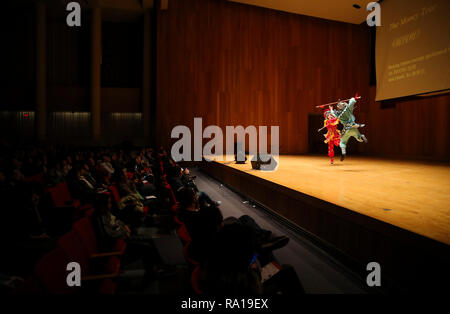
{"type": "Point", "coordinates": [412, 48]}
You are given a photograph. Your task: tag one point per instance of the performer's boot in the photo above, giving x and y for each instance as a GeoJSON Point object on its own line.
{"type": "Point", "coordinates": [363, 137]}
{"type": "Point", "coordinates": [343, 153]}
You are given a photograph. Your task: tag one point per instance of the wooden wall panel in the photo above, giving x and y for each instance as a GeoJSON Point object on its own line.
{"type": "Point", "coordinates": [411, 128]}
{"type": "Point", "coordinates": [233, 64]}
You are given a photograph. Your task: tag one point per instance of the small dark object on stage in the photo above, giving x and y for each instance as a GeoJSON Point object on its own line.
{"type": "Point", "coordinates": [263, 162]}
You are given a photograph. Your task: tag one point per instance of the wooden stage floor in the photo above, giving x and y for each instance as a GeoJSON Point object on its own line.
{"type": "Point", "coordinates": [408, 194]}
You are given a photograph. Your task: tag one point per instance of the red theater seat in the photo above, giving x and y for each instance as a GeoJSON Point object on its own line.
{"type": "Point", "coordinates": [51, 273]}
{"type": "Point", "coordinates": [115, 193]}
{"type": "Point", "coordinates": [62, 198]}
{"type": "Point", "coordinates": [75, 251]}
{"type": "Point", "coordinates": [177, 220]}
{"type": "Point", "coordinates": [87, 236]}
{"type": "Point", "coordinates": [183, 233]}
{"type": "Point", "coordinates": [195, 280]}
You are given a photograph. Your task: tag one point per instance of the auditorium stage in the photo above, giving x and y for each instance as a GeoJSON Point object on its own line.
{"type": "Point", "coordinates": [411, 195]}
{"type": "Point", "coordinates": [368, 208]}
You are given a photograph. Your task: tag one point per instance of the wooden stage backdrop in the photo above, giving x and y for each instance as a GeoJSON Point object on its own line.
{"type": "Point", "coordinates": [234, 64]}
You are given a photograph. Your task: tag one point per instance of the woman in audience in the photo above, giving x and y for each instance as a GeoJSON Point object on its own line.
{"type": "Point", "coordinates": [55, 174]}
{"type": "Point", "coordinates": [202, 222]}
{"type": "Point", "coordinates": [66, 166]}
{"type": "Point", "coordinates": [131, 206]}
{"type": "Point", "coordinates": [139, 245]}
{"type": "Point", "coordinates": [79, 186]}
{"type": "Point", "coordinates": [106, 165]}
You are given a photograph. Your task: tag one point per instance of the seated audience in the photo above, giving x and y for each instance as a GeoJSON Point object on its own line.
{"type": "Point", "coordinates": [203, 220]}
{"type": "Point", "coordinates": [231, 251]}
{"type": "Point", "coordinates": [139, 244]}
{"type": "Point", "coordinates": [106, 165]}
{"type": "Point", "coordinates": [232, 268]}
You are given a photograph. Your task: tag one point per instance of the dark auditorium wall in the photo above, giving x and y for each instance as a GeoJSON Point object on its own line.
{"type": "Point", "coordinates": [236, 64]}
{"type": "Point", "coordinates": [68, 68]}
{"type": "Point", "coordinates": [68, 62]}
{"type": "Point", "coordinates": [68, 75]}
{"type": "Point", "coordinates": [17, 59]}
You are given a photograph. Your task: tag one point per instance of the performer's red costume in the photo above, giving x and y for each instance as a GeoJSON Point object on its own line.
{"type": "Point", "coordinates": [333, 136]}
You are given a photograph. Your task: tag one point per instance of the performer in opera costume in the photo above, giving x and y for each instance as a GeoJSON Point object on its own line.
{"type": "Point", "coordinates": [333, 135]}
{"type": "Point", "coordinates": [344, 113]}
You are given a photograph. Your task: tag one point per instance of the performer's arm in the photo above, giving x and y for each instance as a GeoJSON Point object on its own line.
{"type": "Point", "coordinates": [351, 104]}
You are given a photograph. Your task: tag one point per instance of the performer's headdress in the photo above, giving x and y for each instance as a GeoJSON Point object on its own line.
{"type": "Point", "coordinates": [341, 103]}
{"type": "Point", "coordinates": [326, 112]}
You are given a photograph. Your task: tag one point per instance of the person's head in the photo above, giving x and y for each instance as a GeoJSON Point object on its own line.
{"type": "Point", "coordinates": [174, 171]}
{"type": "Point", "coordinates": [341, 105]}
{"type": "Point", "coordinates": [229, 268]}
{"type": "Point", "coordinates": [328, 114]}
{"type": "Point", "coordinates": [188, 198]}
{"type": "Point", "coordinates": [91, 162]}
{"type": "Point", "coordinates": [78, 170]}
{"type": "Point", "coordinates": [120, 176]}
{"type": "Point", "coordinates": [236, 246]}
